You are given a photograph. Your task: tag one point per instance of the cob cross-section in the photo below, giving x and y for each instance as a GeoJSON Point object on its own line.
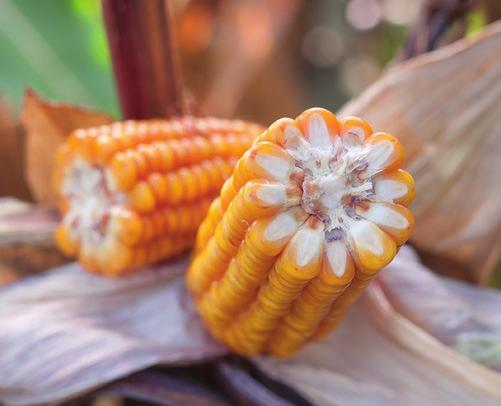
{"type": "Point", "coordinates": [313, 210]}
{"type": "Point", "coordinates": [135, 192]}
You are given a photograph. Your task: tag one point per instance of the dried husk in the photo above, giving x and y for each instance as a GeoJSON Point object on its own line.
{"type": "Point", "coordinates": [445, 108]}
{"type": "Point", "coordinates": [47, 124]}
{"type": "Point", "coordinates": [93, 330]}
{"type": "Point", "coordinates": [455, 313]}
{"type": "Point", "coordinates": [68, 331]}
{"type": "Point", "coordinates": [26, 243]}
{"type": "Point", "coordinates": [81, 331]}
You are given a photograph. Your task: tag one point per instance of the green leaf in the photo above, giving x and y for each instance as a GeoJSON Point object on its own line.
{"type": "Point", "coordinates": [57, 47]}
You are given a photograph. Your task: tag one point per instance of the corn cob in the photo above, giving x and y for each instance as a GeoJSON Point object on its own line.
{"type": "Point", "coordinates": [313, 210]}
{"type": "Point", "coordinates": [134, 192]}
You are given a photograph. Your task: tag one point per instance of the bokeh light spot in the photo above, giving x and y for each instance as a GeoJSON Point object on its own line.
{"type": "Point", "coordinates": [357, 73]}
{"type": "Point", "coordinates": [364, 14]}
{"type": "Point", "coordinates": [322, 46]}
{"type": "Point", "coordinates": [401, 12]}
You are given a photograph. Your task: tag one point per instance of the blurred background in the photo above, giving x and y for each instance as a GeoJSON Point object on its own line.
{"type": "Point", "coordinates": [269, 58]}
{"type": "Point", "coordinates": [260, 60]}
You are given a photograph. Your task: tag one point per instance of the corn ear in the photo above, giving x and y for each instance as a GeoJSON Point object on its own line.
{"type": "Point", "coordinates": [313, 210]}
{"type": "Point", "coordinates": [133, 193]}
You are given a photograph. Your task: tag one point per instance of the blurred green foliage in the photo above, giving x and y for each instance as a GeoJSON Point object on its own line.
{"type": "Point", "coordinates": [57, 47]}
{"type": "Point", "coordinates": [476, 21]}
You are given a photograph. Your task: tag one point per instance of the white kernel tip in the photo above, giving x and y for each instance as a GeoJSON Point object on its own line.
{"type": "Point", "coordinates": [337, 256]}
{"type": "Point", "coordinates": [284, 224]}
{"type": "Point", "coordinates": [390, 189]}
{"type": "Point", "coordinates": [366, 236]}
{"type": "Point", "coordinates": [379, 157]}
{"type": "Point", "coordinates": [275, 166]}
{"type": "Point", "coordinates": [318, 132]}
{"type": "Point", "coordinates": [273, 194]}
{"type": "Point", "coordinates": [384, 215]}
{"type": "Point", "coordinates": [308, 244]}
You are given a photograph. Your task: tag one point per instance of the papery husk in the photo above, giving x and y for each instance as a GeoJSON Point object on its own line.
{"type": "Point", "coordinates": [481, 346]}
{"type": "Point", "coordinates": [445, 107]}
{"type": "Point", "coordinates": [379, 357]}
{"type": "Point", "coordinates": [67, 331]}
{"type": "Point", "coordinates": [464, 317]}
{"type": "Point", "coordinates": [459, 315]}
{"type": "Point", "coordinates": [26, 240]}
{"type": "Point", "coordinates": [486, 306]}
{"type": "Point", "coordinates": [47, 124]}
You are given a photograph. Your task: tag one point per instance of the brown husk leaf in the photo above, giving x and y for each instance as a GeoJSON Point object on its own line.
{"type": "Point", "coordinates": [445, 107]}
{"type": "Point", "coordinates": [47, 124]}
{"type": "Point", "coordinates": [12, 181]}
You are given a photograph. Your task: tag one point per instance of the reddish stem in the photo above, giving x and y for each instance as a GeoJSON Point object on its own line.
{"type": "Point", "coordinates": [144, 56]}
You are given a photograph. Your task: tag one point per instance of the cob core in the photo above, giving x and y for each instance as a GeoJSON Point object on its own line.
{"type": "Point", "coordinates": [313, 210]}
{"type": "Point", "coordinates": [134, 192]}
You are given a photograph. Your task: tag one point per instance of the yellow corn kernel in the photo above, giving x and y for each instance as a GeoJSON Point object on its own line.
{"type": "Point", "coordinates": [313, 210]}
{"type": "Point", "coordinates": [135, 192]}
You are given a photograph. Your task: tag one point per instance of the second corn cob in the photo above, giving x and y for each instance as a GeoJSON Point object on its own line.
{"type": "Point", "coordinates": [134, 192]}
{"type": "Point", "coordinates": [311, 213]}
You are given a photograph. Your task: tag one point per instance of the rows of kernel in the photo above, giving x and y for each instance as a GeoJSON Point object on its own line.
{"type": "Point", "coordinates": [133, 228]}
{"type": "Point", "coordinates": [117, 259]}
{"type": "Point", "coordinates": [129, 166]}
{"type": "Point", "coordinates": [179, 187]}
{"type": "Point", "coordinates": [99, 144]}
{"type": "Point", "coordinates": [238, 255]}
